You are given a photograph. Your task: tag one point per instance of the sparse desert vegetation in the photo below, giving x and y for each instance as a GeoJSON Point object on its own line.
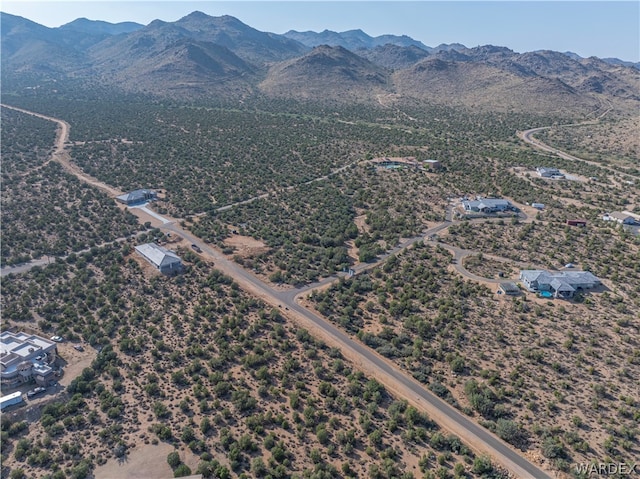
{"type": "Point", "coordinates": [200, 365]}
{"type": "Point", "coordinates": [524, 367]}
{"type": "Point", "coordinates": [262, 153]}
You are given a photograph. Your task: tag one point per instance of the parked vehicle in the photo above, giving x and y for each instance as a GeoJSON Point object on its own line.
{"type": "Point", "coordinates": [35, 392]}
{"type": "Point", "coordinates": [78, 347]}
{"type": "Point", "coordinates": [196, 248]}
{"type": "Point", "coordinates": [57, 339]}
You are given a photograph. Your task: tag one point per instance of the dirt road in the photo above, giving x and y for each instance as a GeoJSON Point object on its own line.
{"type": "Point", "coordinates": [61, 155]}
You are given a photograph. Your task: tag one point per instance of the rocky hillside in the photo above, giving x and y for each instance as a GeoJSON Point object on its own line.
{"type": "Point", "coordinates": [203, 56]}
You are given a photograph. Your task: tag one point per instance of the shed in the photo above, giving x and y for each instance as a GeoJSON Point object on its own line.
{"type": "Point", "coordinates": [433, 164]}
{"type": "Point", "coordinates": [509, 288]}
{"type": "Point", "coordinates": [577, 223]}
{"type": "Point", "coordinates": [167, 262]}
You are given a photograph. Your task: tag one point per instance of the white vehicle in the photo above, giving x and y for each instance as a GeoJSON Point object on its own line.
{"type": "Point", "coordinates": [57, 339]}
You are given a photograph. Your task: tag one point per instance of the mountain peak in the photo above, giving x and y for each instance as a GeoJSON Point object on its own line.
{"type": "Point", "coordinates": [351, 39]}
{"type": "Point", "coordinates": [94, 27]}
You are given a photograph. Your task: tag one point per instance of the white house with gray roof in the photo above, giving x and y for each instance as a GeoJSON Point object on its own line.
{"type": "Point", "coordinates": [547, 172]}
{"type": "Point", "coordinates": [167, 262]}
{"type": "Point", "coordinates": [488, 205]}
{"type": "Point", "coordinates": [137, 197]}
{"type": "Point", "coordinates": [620, 217]}
{"type": "Point", "coordinates": [562, 284]}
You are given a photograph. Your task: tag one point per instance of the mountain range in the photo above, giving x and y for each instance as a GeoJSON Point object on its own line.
{"type": "Point", "coordinates": [204, 56]}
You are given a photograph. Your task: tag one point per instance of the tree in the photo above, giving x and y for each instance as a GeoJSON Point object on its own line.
{"type": "Point", "coordinates": [174, 459]}
{"type": "Point", "coordinates": [482, 465]}
{"type": "Point", "coordinates": [510, 431]}
{"type": "Point", "coordinates": [182, 471]}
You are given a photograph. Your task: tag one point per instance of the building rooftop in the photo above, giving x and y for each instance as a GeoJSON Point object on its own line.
{"type": "Point", "coordinates": [136, 195]}
{"type": "Point", "coordinates": [569, 277]}
{"type": "Point", "coordinates": [157, 254]}
{"type": "Point", "coordinates": [18, 347]}
{"type": "Point", "coordinates": [488, 203]}
{"type": "Point", "coordinates": [619, 215]}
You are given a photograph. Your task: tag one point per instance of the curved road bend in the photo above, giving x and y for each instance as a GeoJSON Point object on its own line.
{"type": "Point", "coordinates": [527, 137]}
{"type": "Point", "coordinates": [61, 155]}
{"type": "Point", "coordinates": [478, 438]}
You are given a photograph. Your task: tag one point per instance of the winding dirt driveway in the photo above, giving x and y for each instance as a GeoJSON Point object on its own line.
{"type": "Point", "coordinates": [61, 155]}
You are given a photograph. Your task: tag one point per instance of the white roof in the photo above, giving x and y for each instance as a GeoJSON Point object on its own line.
{"type": "Point", "coordinates": [14, 395]}
{"type": "Point", "coordinates": [488, 203]}
{"type": "Point", "coordinates": [22, 344]}
{"type": "Point", "coordinates": [18, 347]}
{"type": "Point", "coordinates": [158, 255]}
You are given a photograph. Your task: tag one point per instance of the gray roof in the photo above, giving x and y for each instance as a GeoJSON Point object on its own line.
{"type": "Point", "coordinates": [488, 203]}
{"type": "Point", "coordinates": [621, 216]}
{"type": "Point", "coordinates": [568, 277]}
{"type": "Point", "coordinates": [509, 286]}
{"type": "Point", "coordinates": [136, 195]}
{"type": "Point", "coordinates": [559, 285]}
{"type": "Point", "coordinates": [158, 255]}
{"type": "Point", "coordinates": [547, 169]}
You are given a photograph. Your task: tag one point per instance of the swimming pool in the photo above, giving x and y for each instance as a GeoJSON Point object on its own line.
{"type": "Point", "coordinates": [546, 294]}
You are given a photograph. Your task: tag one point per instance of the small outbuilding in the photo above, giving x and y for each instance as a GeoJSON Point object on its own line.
{"type": "Point", "coordinates": [582, 223]}
{"type": "Point", "coordinates": [509, 288]}
{"type": "Point", "coordinates": [167, 262]}
{"type": "Point", "coordinates": [433, 164]}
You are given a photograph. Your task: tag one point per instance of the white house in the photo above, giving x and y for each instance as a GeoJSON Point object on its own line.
{"type": "Point", "coordinates": [620, 217]}
{"type": "Point", "coordinates": [488, 205]}
{"type": "Point", "coordinates": [25, 357]}
{"type": "Point", "coordinates": [547, 172]}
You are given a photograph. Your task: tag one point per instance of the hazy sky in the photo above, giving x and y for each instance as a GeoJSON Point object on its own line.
{"type": "Point", "coordinates": [588, 28]}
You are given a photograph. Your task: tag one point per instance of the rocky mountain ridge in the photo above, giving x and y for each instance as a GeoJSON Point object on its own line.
{"type": "Point", "coordinates": [200, 55]}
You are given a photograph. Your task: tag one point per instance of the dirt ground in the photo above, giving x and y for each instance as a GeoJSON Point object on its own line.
{"type": "Point", "coordinates": [143, 462]}
{"type": "Point", "coordinates": [75, 361]}
{"type": "Point", "coordinates": [246, 246]}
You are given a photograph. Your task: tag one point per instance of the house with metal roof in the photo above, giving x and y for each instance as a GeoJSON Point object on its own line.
{"type": "Point", "coordinates": [137, 197]}
{"type": "Point", "coordinates": [488, 205]}
{"type": "Point", "coordinates": [547, 172]}
{"type": "Point", "coordinates": [561, 284]}
{"type": "Point", "coordinates": [620, 217]}
{"type": "Point", "coordinates": [167, 262]}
